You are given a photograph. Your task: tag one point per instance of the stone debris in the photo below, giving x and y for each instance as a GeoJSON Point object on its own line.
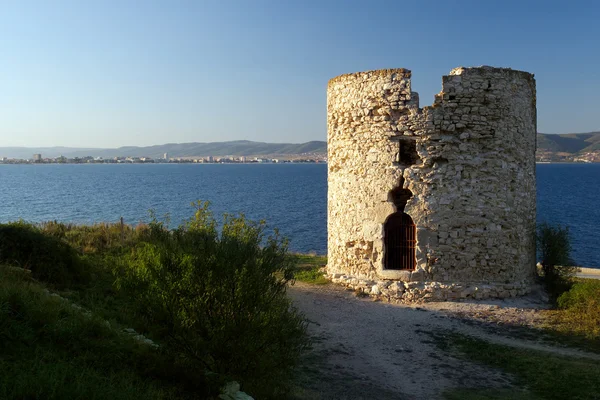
{"type": "Point", "coordinates": [231, 391]}
{"type": "Point", "coordinates": [463, 169]}
{"type": "Point", "coordinates": [140, 338]}
{"type": "Point", "coordinates": [405, 292]}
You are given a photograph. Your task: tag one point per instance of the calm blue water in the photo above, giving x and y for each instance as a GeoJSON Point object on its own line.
{"type": "Point", "coordinates": [569, 194]}
{"type": "Point", "coordinates": [291, 197]}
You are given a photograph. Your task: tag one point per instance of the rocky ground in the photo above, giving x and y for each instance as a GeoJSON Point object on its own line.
{"type": "Point", "coordinates": [366, 349]}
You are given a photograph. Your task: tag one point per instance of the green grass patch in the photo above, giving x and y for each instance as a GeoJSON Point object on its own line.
{"type": "Point", "coordinates": [51, 350]}
{"type": "Point", "coordinates": [100, 238]}
{"type": "Point", "coordinates": [540, 375]}
{"type": "Point", "coordinates": [576, 320]}
{"type": "Point", "coordinates": [579, 309]}
{"type": "Point", "coordinates": [489, 394]}
{"type": "Point", "coordinates": [308, 268]}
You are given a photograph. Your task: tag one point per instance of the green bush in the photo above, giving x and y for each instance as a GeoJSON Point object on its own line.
{"type": "Point", "coordinates": [581, 308]}
{"type": "Point", "coordinates": [554, 248]}
{"type": "Point", "coordinates": [217, 298]}
{"type": "Point", "coordinates": [48, 258]}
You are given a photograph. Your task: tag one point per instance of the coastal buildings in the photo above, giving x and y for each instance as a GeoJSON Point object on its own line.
{"type": "Point", "coordinates": [292, 158]}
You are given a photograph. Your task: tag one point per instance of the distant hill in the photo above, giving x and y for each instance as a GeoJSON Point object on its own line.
{"type": "Point", "coordinates": [569, 142]}
{"type": "Point", "coordinates": [233, 148]}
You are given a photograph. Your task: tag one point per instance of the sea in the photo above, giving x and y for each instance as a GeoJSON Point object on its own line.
{"type": "Point", "coordinates": [289, 197]}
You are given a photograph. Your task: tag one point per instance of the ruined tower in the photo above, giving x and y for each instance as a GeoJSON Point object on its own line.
{"type": "Point", "coordinates": [435, 202]}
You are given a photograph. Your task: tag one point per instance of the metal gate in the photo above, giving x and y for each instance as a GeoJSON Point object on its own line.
{"type": "Point", "coordinates": [400, 242]}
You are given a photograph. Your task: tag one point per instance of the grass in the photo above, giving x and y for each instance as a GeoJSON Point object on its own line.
{"type": "Point", "coordinates": [576, 319]}
{"type": "Point", "coordinates": [579, 309]}
{"type": "Point", "coordinates": [540, 375]}
{"type": "Point", "coordinates": [309, 268]}
{"type": "Point", "coordinates": [575, 322]}
{"type": "Point", "coordinates": [488, 394]}
{"type": "Point", "coordinates": [51, 350]}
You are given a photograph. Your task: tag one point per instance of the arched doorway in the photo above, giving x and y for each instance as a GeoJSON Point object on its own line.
{"type": "Point", "coordinates": [399, 240]}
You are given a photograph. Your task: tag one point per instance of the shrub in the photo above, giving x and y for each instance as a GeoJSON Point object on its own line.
{"type": "Point", "coordinates": [581, 308]}
{"type": "Point", "coordinates": [554, 247]}
{"type": "Point", "coordinates": [218, 298]}
{"type": "Point", "coordinates": [49, 259]}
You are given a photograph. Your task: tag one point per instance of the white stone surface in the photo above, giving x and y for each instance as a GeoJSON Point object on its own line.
{"type": "Point", "coordinates": [473, 181]}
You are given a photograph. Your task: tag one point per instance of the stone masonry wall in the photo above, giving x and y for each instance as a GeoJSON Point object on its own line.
{"type": "Point", "coordinates": [472, 178]}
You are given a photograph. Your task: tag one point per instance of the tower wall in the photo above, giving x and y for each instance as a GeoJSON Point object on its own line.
{"type": "Point", "coordinates": [468, 161]}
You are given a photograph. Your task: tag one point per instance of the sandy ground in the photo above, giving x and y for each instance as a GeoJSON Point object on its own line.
{"type": "Point", "coordinates": [373, 350]}
{"type": "Point", "coordinates": [590, 273]}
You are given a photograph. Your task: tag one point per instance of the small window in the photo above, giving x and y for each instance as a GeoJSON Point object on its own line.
{"type": "Point", "coordinates": [407, 152]}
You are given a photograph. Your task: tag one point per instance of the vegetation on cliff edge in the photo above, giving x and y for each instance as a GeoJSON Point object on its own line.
{"type": "Point", "coordinates": [210, 295]}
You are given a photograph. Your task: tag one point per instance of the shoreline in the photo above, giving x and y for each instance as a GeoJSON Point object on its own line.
{"type": "Point", "coordinates": [567, 162]}
{"type": "Point", "coordinates": [588, 273]}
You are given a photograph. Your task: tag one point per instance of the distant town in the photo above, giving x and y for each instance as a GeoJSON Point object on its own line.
{"type": "Point", "coordinates": [541, 156]}
{"type": "Point", "coordinates": [40, 159]}
{"type": "Point", "coordinates": [557, 157]}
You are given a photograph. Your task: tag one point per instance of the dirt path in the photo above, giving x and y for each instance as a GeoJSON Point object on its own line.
{"type": "Point", "coordinates": [365, 349]}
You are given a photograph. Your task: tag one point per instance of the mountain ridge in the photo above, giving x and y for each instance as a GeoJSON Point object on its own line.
{"type": "Point", "coordinates": [174, 150]}
{"type": "Point", "coordinates": [572, 143]}
{"type": "Point", "coordinates": [569, 142]}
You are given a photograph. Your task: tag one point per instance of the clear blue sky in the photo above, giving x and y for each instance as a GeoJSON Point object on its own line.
{"type": "Point", "coordinates": [103, 73]}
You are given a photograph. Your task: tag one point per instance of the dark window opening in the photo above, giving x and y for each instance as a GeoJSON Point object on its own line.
{"type": "Point", "coordinates": [399, 242]}
{"type": "Point", "coordinates": [407, 152]}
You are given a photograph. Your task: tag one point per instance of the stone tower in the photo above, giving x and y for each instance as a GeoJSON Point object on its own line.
{"type": "Point", "coordinates": [435, 202]}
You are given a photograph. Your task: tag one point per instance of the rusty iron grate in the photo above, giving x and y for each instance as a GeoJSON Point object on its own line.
{"type": "Point", "coordinates": [400, 232]}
